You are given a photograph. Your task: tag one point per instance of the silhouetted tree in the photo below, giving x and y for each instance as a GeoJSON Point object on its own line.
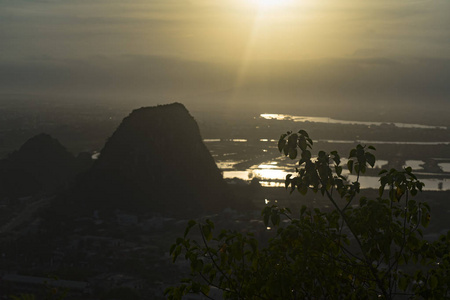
{"type": "Point", "coordinates": [361, 249]}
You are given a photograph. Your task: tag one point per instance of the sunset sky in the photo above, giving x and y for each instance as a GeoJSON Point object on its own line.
{"type": "Point", "coordinates": [340, 49]}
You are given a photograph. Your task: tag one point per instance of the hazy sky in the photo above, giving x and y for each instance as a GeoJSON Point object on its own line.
{"type": "Point", "coordinates": [233, 48]}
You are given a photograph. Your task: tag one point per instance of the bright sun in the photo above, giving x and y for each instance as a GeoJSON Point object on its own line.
{"type": "Point", "coordinates": [270, 3]}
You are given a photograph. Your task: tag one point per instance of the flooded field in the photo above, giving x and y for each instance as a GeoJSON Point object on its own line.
{"type": "Point", "coordinates": [243, 159]}
{"type": "Point", "coordinates": [273, 174]}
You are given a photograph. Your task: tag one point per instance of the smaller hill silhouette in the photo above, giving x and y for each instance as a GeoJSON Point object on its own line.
{"type": "Point", "coordinates": [41, 165]}
{"type": "Point", "coordinates": [156, 160]}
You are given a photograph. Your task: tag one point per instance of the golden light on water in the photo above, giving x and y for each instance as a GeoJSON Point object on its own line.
{"type": "Point", "coordinates": [270, 174]}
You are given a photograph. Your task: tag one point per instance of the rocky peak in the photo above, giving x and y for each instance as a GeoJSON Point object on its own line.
{"type": "Point", "coordinates": [156, 158]}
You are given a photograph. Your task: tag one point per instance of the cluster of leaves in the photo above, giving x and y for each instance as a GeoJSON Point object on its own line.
{"type": "Point", "coordinates": [364, 248]}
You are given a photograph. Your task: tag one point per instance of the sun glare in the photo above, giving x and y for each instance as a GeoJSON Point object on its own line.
{"type": "Point", "coordinates": [270, 3]}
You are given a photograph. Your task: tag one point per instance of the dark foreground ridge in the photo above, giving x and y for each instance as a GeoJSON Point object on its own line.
{"type": "Point", "coordinates": [156, 160]}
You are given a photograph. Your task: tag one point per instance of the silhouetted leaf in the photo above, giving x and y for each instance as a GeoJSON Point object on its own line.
{"type": "Point", "coordinates": [286, 149]}
{"type": "Point", "coordinates": [350, 166]}
{"type": "Point", "coordinates": [293, 153]}
{"type": "Point", "coordinates": [302, 143]}
{"type": "Point", "coordinates": [281, 144]}
{"type": "Point", "coordinates": [306, 155]}
{"type": "Point", "coordinates": [302, 132]}
{"type": "Point", "coordinates": [191, 223]}
{"type": "Point", "coordinates": [292, 140]}
{"type": "Point", "coordinates": [370, 158]}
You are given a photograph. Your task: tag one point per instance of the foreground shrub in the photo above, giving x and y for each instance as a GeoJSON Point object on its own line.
{"type": "Point", "coordinates": [362, 248]}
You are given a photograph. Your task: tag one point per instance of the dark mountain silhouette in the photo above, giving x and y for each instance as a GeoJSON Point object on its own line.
{"type": "Point", "coordinates": [156, 160]}
{"type": "Point", "coordinates": [41, 165]}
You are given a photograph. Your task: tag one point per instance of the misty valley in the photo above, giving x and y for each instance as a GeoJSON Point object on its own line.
{"type": "Point", "coordinates": [91, 208]}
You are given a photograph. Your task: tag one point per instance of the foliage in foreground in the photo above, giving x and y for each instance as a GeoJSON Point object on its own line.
{"type": "Point", "coordinates": [363, 248]}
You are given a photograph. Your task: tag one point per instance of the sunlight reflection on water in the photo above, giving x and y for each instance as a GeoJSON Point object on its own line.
{"type": "Point", "coordinates": [340, 142]}
{"type": "Point", "coordinates": [414, 164]}
{"type": "Point", "coordinates": [335, 121]}
{"type": "Point", "coordinates": [444, 166]}
{"type": "Point", "coordinates": [272, 175]}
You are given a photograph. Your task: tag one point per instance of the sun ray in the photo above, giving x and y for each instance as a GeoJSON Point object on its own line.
{"type": "Point", "coordinates": [264, 11]}
{"type": "Point", "coordinates": [246, 57]}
